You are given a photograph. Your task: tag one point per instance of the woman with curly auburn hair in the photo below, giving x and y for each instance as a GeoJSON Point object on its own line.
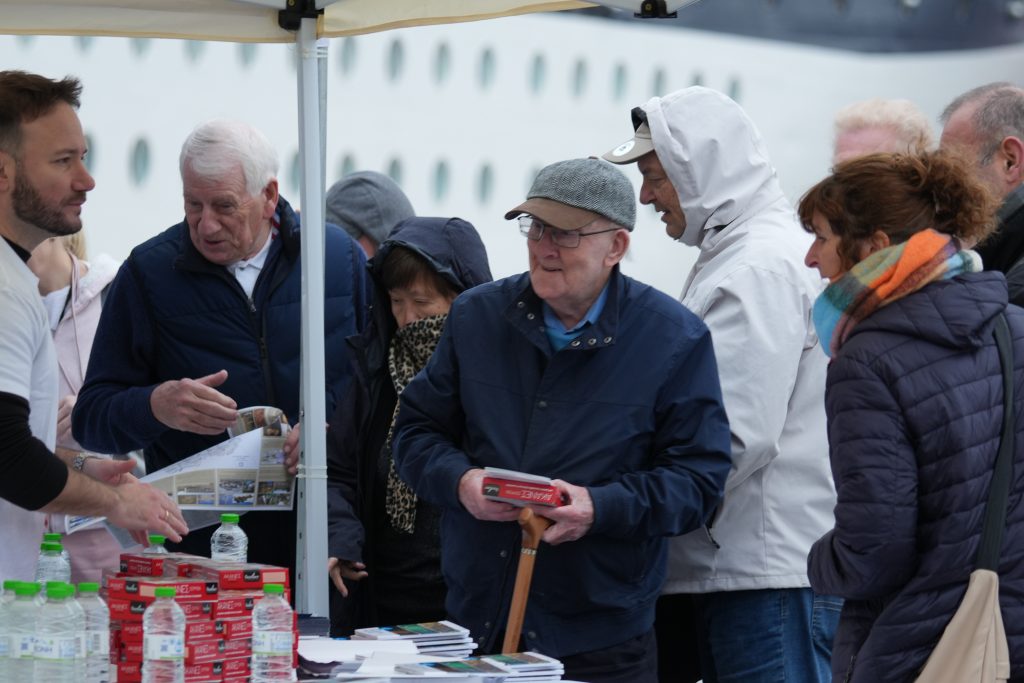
{"type": "Point", "coordinates": [915, 403]}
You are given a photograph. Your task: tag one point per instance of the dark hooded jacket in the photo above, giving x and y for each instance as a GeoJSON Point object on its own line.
{"type": "Point", "coordinates": [359, 427]}
{"type": "Point", "coordinates": [915, 406]}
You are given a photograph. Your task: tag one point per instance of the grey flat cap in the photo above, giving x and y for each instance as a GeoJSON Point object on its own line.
{"type": "Point", "coordinates": [571, 194]}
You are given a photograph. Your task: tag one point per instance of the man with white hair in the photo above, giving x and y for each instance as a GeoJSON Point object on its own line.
{"type": "Point", "coordinates": [205, 318]}
{"type": "Point", "coordinates": [879, 125]}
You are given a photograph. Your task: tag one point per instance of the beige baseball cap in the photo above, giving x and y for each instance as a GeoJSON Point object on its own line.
{"type": "Point", "coordinates": [632, 149]}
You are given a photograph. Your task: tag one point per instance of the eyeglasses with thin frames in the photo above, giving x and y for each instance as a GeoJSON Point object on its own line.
{"type": "Point", "coordinates": [534, 228]}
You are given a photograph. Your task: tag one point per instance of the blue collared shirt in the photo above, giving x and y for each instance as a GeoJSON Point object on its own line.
{"type": "Point", "coordinates": [558, 335]}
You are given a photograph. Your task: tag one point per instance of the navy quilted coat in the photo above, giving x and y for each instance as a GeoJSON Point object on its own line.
{"type": "Point", "coordinates": [914, 401]}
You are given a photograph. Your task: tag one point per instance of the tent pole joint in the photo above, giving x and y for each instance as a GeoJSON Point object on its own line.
{"type": "Point", "coordinates": [291, 17]}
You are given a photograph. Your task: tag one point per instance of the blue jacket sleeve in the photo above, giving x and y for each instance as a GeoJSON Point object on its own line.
{"type": "Point", "coordinates": [690, 455]}
{"type": "Point", "coordinates": [871, 551]}
{"type": "Point", "coordinates": [362, 288]}
{"type": "Point", "coordinates": [112, 413]}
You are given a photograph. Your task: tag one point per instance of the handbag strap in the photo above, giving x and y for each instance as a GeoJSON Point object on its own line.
{"type": "Point", "coordinates": [999, 489]}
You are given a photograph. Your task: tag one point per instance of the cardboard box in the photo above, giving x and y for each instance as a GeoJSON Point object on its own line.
{"type": "Point", "coordinates": [203, 651]}
{"type": "Point", "coordinates": [240, 576]}
{"type": "Point", "coordinates": [132, 587]}
{"type": "Point", "coordinates": [234, 628]}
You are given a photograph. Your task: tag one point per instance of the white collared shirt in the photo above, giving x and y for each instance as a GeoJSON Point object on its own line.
{"type": "Point", "coordinates": [248, 271]}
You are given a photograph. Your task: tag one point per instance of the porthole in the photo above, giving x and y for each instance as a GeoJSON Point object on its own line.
{"type": "Point", "coordinates": [140, 161]}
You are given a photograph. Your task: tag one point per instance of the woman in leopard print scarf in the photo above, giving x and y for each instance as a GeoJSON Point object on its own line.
{"type": "Point", "coordinates": [384, 543]}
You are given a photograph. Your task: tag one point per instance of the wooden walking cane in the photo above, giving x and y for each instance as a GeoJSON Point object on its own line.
{"type": "Point", "coordinates": [533, 527]}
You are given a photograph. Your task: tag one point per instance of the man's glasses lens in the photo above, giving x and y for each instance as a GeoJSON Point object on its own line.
{"type": "Point", "coordinates": [534, 229]}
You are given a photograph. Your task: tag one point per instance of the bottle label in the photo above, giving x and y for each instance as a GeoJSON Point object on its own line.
{"type": "Point", "coordinates": [55, 647]}
{"type": "Point", "coordinates": [272, 643]}
{"type": "Point", "coordinates": [22, 645]}
{"type": "Point", "coordinates": [97, 642]}
{"type": "Point", "coordinates": [163, 647]}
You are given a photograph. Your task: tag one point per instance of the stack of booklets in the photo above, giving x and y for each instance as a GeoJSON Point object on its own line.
{"type": "Point", "coordinates": [521, 666]}
{"type": "Point", "coordinates": [441, 638]}
{"type": "Point", "coordinates": [528, 666]}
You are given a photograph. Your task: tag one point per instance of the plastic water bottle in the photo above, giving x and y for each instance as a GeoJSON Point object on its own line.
{"type": "Point", "coordinates": [97, 634]}
{"type": "Point", "coordinates": [272, 637]}
{"type": "Point", "coordinates": [229, 542]}
{"type": "Point", "coordinates": [57, 633]}
{"type": "Point", "coordinates": [78, 618]}
{"type": "Point", "coordinates": [156, 545]}
{"type": "Point", "coordinates": [163, 640]}
{"type": "Point", "coordinates": [51, 565]}
{"type": "Point", "coordinates": [21, 619]}
{"type": "Point", "coordinates": [53, 537]}
{"type": "Point", "coordinates": [5, 642]}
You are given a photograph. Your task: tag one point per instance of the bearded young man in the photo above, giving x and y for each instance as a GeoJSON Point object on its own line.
{"type": "Point", "coordinates": [43, 185]}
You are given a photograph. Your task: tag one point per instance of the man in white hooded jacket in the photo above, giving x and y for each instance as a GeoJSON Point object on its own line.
{"type": "Point", "coordinates": [706, 171]}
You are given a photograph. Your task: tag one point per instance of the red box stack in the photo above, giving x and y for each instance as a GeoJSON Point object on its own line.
{"type": "Point", "coordinates": [217, 598]}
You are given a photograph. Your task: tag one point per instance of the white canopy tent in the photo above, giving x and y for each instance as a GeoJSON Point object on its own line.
{"type": "Point", "coordinates": [264, 21]}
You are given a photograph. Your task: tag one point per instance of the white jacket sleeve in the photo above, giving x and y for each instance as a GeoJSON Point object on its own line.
{"type": "Point", "coordinates": [759, 326]}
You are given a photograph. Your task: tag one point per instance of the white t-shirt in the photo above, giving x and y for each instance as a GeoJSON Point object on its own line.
{"type": "Point", "coordinates": [28, 368]}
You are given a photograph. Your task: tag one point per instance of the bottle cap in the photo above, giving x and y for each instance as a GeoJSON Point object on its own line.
{"type": "Point", "coordinates": [26, 588]}
{"type": "Point", "coordinates": [10, 585]}
{"type": "Point", "coordinates": [58, 590]}
{"type": "Point", "coordinates": [52, 537]}
{"type": "Point", "coordinates": [88, 587]}
{"type": "Point", "coordinates": [157, 539]}
{"type": "Point", "coordinates": [273, 589]}
{"type": "Point", "coordinates": [165, 592]}
{"type": "Point", "coordinates": [229, 517]}
{"type": "Point", "coordinates": [50, 547]}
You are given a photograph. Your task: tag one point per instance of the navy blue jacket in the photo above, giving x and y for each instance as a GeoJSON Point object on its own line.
{"type": "Point", "coordinates": [631, 409]}
{"type": "Point", "coordinates": [171, 314]}
{"type": "Point", "coordinates": [914, 401]}
{"type": "Point", "coordinates": [361, 422]}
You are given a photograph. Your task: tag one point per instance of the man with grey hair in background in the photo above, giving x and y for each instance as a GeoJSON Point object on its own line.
{"type": "Point", "coordinates": [987, 125]}
{"type": "Point", "coordinates": [205, 319]}
{"type": "Point", "coordinates": [575, 372]}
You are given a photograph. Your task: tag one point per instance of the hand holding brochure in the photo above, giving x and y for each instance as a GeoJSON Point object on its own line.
{"type": "Point", "coordinates": [246, 472]}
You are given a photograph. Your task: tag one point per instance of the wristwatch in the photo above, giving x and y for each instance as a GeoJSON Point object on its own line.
{"type": "Point", "coordinates": [78, 464]}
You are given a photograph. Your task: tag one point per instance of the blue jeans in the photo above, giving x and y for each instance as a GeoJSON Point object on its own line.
{"type": "Point", "coordinates": [766, 636]}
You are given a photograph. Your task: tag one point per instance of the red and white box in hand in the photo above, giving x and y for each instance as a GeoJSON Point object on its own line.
{"type": "Point", "coordinates": [520, 488]}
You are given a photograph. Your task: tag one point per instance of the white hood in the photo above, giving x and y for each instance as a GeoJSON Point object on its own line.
{"type": "Point", "coordinates": [714, 156]}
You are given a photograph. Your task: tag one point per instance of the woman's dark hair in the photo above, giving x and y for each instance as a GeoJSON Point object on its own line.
{"type": "Point", "coordinates": [402, 267]}
{"type": "Point", "coordinates": [900, 194]}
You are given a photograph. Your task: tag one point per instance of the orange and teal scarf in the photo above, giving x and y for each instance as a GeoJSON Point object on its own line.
{"type": "Point", "coordinates": [886, 276]}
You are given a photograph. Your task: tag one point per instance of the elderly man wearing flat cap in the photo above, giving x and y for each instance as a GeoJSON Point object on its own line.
{"type": "Point", "coordinates": [575, 372]}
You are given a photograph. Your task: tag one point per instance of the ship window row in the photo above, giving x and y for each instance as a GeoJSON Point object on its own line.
{"type": "Point", "coordinates": [439, 181]}
{"type": "Point", "coordinates": [537, 73]}
{"type": "Point", "coordinates": [537, 77]}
